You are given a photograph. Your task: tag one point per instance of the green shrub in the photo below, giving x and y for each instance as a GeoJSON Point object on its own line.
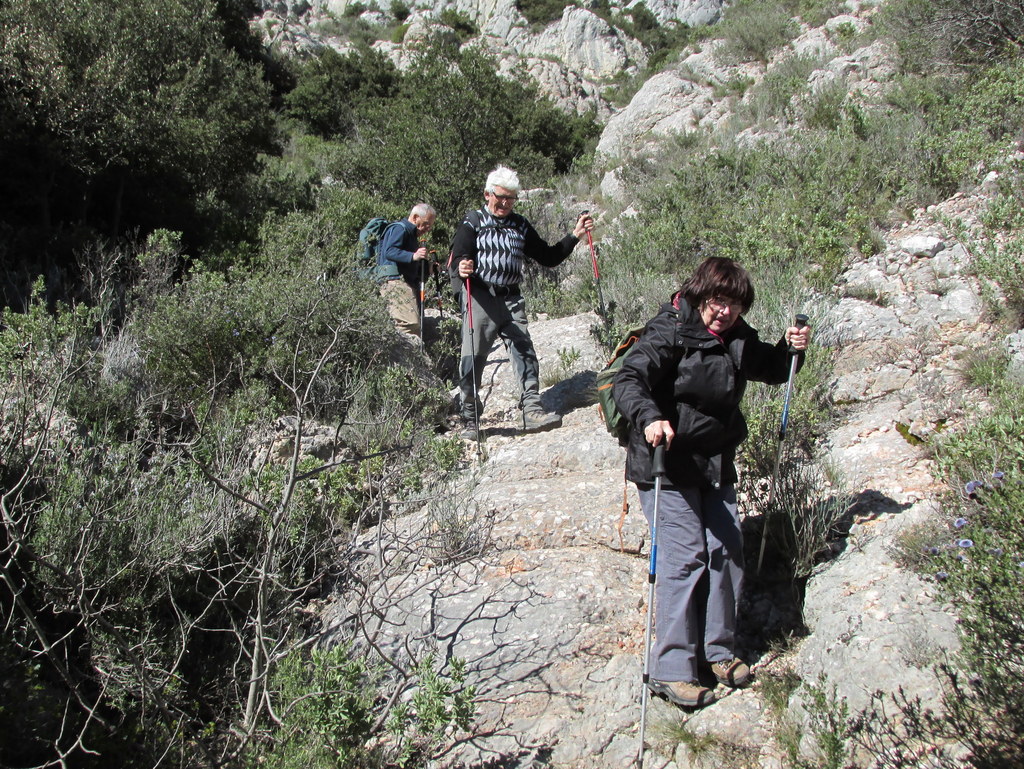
{"type": "Point", "coordinates": [541, 12]}
{"type": "Point", "coordinates": [931, 34]}
{"type": "Point", "coordinates": [753, 30]}
{"type": "Point", "coordinates": [1000, 262]}
{"type": "Point", "coordinates": [775, 95]}
{"type": "Point", "coordinates": [400, 10]}
{"type": "Point", "coordinates": [330, 701]}
{"type": "Point", "coordinates": [975, 559]}
{"type": "Point", "coordinates": [463, 26]}
{"type": "Point", "coordinates": [216, 332]}
{"type": "Point", "coordinates": [330, 87]}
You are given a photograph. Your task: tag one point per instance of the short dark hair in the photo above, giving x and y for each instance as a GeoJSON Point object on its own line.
{"type": "Point", "coordinates": [719, 276]}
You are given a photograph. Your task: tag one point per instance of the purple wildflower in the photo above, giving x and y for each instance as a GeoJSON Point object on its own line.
{"type": "Point", "coordinates": [971, 487]}
{"type": "Point", "coordinates": [941, 576]}
{"type": "Point", "coordinates": [965, 543]}
{"type": "Point", "coordinates": [932, 550]}
{"type": "Point", "coordinates": [995, 551]}
{"type": "Point", "coordinates": [959, 523]}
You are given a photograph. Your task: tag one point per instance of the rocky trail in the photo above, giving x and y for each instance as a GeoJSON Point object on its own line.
{"type": "Point", "coordinates": [550, 617]}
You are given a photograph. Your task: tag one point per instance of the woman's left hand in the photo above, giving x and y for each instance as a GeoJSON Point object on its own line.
{"type": "Point", "coordinates": [798, 338]}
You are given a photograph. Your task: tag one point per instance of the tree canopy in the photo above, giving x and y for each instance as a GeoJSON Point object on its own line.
{"type": "Point", "coordinates": [122, 115]}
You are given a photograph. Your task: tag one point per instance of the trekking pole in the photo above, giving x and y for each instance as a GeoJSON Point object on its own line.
{"type": "Point", "coordinates": [801, 321]}
{"type": "Point", "coordinates": [472, 365]}
{"type": "Point", "coordinates": [597, 274]}
{"type": "Point", "coordinates": [658, 470]}
{"type": "Point", "coordinates": [423, 282]}
{"type": "Point", "coordinates": [434, 270]}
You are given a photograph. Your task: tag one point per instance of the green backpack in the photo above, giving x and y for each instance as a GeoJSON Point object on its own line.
{"type": "Point", "coordinates": [369, 244]}
{"type": "Point", "coordinates": [614, 420]}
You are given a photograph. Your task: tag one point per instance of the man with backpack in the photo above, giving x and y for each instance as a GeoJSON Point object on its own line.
{"type": "Point", "coordinates": [400, 259]}
{"type": "Point", "coordinates": [488, 253]}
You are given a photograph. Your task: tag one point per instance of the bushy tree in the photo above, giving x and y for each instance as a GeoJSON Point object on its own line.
{"type": "Point", "coordinates": [452, 121]}
{"type": "Point", "coordinates": [123, 115]}
{"type": "Point", "coordinates": [941, 32]}
{"type": "Point", "coordinates": [330, 86]}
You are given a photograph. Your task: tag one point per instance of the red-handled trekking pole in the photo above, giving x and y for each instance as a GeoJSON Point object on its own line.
{"type": "Point", "coordinates": [801, 321]}
{"type": "Point", "coordinates": [658, 471]}
{"type": "Point", "coordinates": [472, 365]}
{"type": "Point", "coordinates": [597, 273]}
{"type": "Point", "coordinates": [423, 304]}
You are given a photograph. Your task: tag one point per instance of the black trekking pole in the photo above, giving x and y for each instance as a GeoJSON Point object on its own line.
{"type": "Point", "coordinates": [435, 271]}
{"type": "Point", "coordinates": [597, 273]}
{"type": "Point", "coordinates": [801, 321]}
{"type": "Point", "coordinates": [472, 365]}
{"type": "Point", "coordinates": [423, 304]}
{"type": "Point", "coordinates": [658, 470]}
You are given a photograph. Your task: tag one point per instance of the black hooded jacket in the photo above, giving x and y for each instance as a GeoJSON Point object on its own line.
{"type": "Point", "coordinates": [681, 372]}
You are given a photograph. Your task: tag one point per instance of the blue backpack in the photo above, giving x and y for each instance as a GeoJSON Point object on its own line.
{"type": "Point", "coordinates": [369, 249]}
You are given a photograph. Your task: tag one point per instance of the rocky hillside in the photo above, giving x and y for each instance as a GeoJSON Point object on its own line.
{"type": "Point", "coordinates": [550, 614]}
{"type": "Point", "coordinates": [571, 58]}
{"type": "Point", "coordinates": [549, 611]}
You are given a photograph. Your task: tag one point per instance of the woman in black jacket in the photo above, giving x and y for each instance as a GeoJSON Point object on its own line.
{"type": "Point", "coordinates": [681, 385]}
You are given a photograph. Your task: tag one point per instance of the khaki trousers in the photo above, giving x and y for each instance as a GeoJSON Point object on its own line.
{"type": "Point", "coordinates": [403, 305]}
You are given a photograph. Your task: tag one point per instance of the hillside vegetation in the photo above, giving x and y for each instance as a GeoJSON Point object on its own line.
{"type": "Point", "coordinates": [203, 404]}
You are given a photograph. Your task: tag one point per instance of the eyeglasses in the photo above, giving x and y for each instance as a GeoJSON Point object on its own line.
{"type": "Point", "coordinates": [505, 199]}
{"type": "Point", "coordinates": [722, 303]}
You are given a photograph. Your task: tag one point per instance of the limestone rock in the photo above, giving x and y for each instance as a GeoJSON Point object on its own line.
{"type": "Point", "coordinates": [695, 13]}
{"type": "Point", "coordinates": [667, 103]}
{"type": "Point", "coordinates": [587, 44]}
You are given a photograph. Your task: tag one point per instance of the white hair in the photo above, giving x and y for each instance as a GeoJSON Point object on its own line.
{"type": "Point", "coordinates": [502, 177]}
{"type": "Point", "coordinates": [423, 210]}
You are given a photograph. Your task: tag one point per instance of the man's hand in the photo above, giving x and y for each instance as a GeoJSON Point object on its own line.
{"type": "Point", "coordinates": [466, 268]}
{"type": "Point", "coordinates": [419, 254]}
{"type": "Point", "coordinates": [583, 225]}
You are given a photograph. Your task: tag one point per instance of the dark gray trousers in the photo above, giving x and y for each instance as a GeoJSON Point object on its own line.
{"type": "Point", "coordinates": [494, 317]}
{"type": "Point", "coordinates": [699, 574]}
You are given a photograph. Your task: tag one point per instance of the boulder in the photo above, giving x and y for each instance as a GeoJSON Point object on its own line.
{"type": "Point", "coordinates": [695, 13]}
{"type": "Point", "coordinates": [668, 103]}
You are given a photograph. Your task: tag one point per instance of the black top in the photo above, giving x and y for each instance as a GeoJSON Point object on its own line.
{"type": "Point", "coordinates": [498, 246]}
{"type": "Point", "coordinates": [681, 372]}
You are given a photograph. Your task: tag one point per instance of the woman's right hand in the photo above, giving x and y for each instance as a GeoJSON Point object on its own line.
{"type": "Point", "coordinates": [659, 432]}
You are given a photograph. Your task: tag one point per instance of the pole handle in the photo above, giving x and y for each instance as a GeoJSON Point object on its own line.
{"type": "Point", "coordinates": [800, 321]}
{"type": "Point", "coordinates": [658, 462]}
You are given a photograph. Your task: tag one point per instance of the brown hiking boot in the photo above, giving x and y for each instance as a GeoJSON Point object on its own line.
{"type": "Point", "coordinates": [734, 672]}
{"type": "Point", "coordinates": [688, 694]}
{"type": "Point", "coordinates": [536, 419]}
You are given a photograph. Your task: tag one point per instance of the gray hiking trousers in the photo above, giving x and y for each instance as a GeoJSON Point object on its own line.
{"type": "Point", "coordinates": [501, 315]}
{"type": "Point", "coordinates": [699, 574]}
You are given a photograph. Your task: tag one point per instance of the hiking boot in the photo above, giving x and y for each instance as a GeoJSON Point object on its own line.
{"type": "Point", "coordinates": [734, 672]}
{"type": "Point", "coordinates": [469, 430]}
{"type": "Point", "coordinates": [536, 419]}
{"type": "Point", "coordinates": [687, 694]}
